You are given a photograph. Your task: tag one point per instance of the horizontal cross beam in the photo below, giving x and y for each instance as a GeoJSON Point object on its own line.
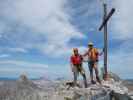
{"type": "Point", "coordinates": [107, 18]}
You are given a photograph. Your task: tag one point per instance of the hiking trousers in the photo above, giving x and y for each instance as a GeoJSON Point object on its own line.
{"type": "Point", "coordinates": [78, 69]}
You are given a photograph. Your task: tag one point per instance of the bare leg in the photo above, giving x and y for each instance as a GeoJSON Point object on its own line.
{"type": "Point", "coordinates": [85, 81]}
{"type": "Point", "coordinates": [90, 65]}
{"type": "Point", "coordinates": [75, 78]}
{"type": "Point", "coordinates": [82, 72]}
{"type": "Point", "coordinates": [97, 73]}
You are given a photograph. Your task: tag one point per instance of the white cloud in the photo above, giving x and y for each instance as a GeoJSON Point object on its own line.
{"type": "Point", "coordinates": [4, 55]}
{"type": "Point", "coordinates": [120, 60]}
{"type": "Point", "coordinates": [121, 63]}
{"type": "Point", "coordinates": [48, 20]}
{"type": "Point", "coordinates": [12, 50]}
{"type": "Point", "coordinates": [55, 50]}
{"type": "Point", "coordinates": [45, 17]}
{"type": "Point", "coordinates": [122, 26]}
{"type": "Point", "coordinates": [15, 68]}
{"type": "Point", "coordinates": [18, 50]}
{"type": "Point", "coordinates": [2, 28]}
{"type": "Point", "coordinates": [23, 63]}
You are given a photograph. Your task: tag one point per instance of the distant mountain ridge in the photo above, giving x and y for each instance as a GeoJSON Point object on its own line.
{"type": "Point", "coordinates": [13, 79]}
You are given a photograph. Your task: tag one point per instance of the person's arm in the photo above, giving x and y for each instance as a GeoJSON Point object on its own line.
{"type": "Point", "coordinates": [85, 54]}
{"type": "Point", "coordinates": [101, 53]}
{"type": "Point", "coordinates": [81, 57]}
{"type": "Point", "coordinates": [71, 64]}
{"type": "Point", "coordinates": [96, 51]}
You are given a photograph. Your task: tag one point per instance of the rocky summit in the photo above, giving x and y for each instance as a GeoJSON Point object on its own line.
{"type": "Point", "coordinates": [25, 89]}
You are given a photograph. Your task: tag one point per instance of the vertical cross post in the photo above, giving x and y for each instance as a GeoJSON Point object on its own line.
{"type": "Point", "coordinates": [104, 26]}
{"type": "Point", "coordinates": [105, 43]}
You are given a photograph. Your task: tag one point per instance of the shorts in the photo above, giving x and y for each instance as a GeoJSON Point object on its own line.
{"type": "Point", "coordinates": [91, 65]}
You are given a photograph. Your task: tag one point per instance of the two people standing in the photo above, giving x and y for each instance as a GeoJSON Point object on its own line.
{"type": "Point", "coordinates": [93, 58]}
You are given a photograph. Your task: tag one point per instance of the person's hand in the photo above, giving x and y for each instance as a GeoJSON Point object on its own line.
{"type": "Point", "coordinates": [103, 50]}
{"type": "Point", "coordinates": [72, 69]}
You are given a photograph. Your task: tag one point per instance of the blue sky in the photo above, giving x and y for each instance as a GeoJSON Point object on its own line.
{"type": "Point", "coordinates": [37, 36]}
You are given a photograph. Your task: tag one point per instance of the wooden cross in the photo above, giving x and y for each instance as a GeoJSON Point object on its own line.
{"type": "Point", "coordinates": [104, 26]}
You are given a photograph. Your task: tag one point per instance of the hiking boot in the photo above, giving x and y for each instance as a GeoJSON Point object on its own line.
{"type": "Point", "coordinates": [93, 82]}
{"type": "Point", "coordinates": [98, 80]}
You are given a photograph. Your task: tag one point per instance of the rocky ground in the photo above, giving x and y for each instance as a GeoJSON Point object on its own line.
{"type": "Point", "coordinates": [128, 84]}
{"type": "Point", "coordinates": [24, 89]}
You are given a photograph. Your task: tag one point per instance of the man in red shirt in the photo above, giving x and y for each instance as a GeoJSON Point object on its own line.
{"type": "Point", "coordinates": [76, 65]}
